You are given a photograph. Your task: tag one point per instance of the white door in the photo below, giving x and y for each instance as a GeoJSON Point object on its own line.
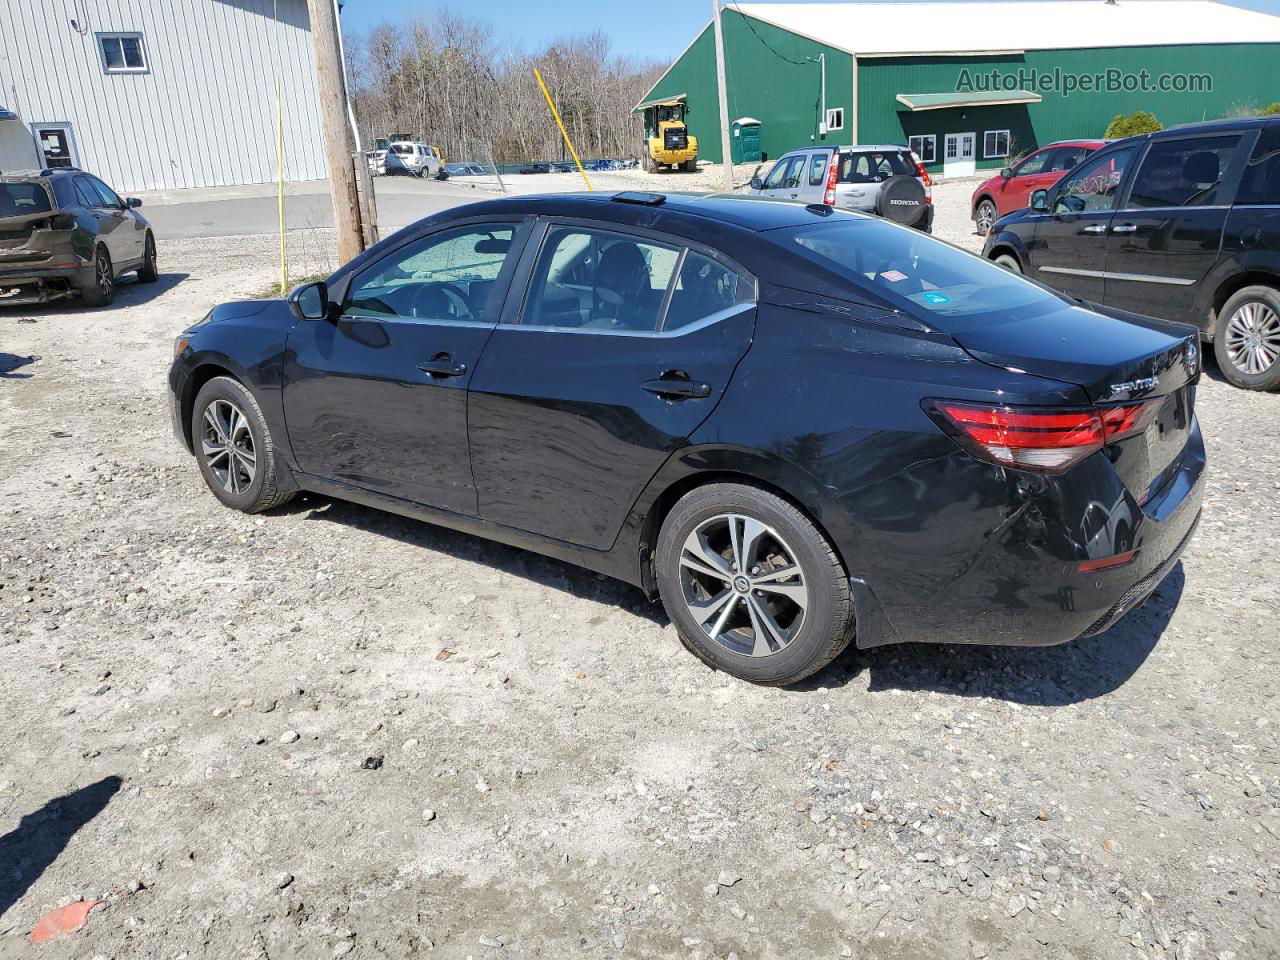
{"type": "Point", "coordinates": [957, 155]}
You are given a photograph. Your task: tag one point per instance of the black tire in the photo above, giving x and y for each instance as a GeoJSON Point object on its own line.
{"type": "Point", "coordinates": [984, 214]}
{"type": "Point", "coordinates": [101, 290]}
{"type": "Point", "coordinates": [1251, 315]}
{"type": "Point", "coordinates": [689, 166]}
{"type": "Point", "coordinates": [148, 272]}
{"type": "Point", "coordinates": [248, 493]}
{"type": "Point", "coordinates": [901, 199]}
{"type": "Point", "coordinates": [816, 637]}
{"type": "Point", "coordinates": [1008, 261]}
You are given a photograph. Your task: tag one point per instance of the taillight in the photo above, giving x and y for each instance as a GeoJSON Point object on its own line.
{"type": "Point", "coordinates": [833, 168]}
{"type": "Point", "coordinates": [1047, 439]}
{"type": "Point", "coordinates": [923, 174]}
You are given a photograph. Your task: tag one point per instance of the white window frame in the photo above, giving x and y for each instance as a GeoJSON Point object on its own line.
{"type": "Point", "coordinates": [933, 147]}
{"type": "Point", "coordinates": [835, 113]}
{"type": "Point", "coordinates": [987, 154]}
{"type": "Point", "coordinates": [118, 36]}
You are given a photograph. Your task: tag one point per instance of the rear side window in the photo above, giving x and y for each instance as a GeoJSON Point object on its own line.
{"type": "Point", "coordinates": [875, 167]}
{"type": "Point", "coordinates": [19, 199]}
{"type": "Point", "coordinates": [600, 281]}
{"type": "Point", "coordinates": [818, 164]}
{"type": "Point", "coordinates": [705, 288]}
{"type": "Point", "coordinates": [926, 277]}
{"type": "Point", "coordinates": [1064, 158]}
{"type": "Point", "coordinates": [1182, 173]}
{"type": "Point", "coordinates": [1261, 181]}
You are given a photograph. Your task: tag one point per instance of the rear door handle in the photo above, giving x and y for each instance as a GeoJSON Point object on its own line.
{"type": "Point", "coordinates": [1125, 228]}
{"type": "Point", "coordinates": [442, 365]}
{"type": "Point", "coordinates": [677, 388]}
{"type": "Point", "coordinates": [1094, 228]}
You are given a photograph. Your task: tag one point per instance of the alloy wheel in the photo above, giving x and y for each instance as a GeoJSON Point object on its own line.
{"type": "Point", "coordinates": [227, 445]}
{"type": "Point", "coordinates": [986, 217]}
{"type": "Point", "coordinates": [1253, 338]}
{"type": "Point", "coordinates": [743, 585]}
{"type": "Point", "coordinates": [103, 275]}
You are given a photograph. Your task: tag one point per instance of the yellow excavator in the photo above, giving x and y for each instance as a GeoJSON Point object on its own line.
{"type": "Point", "coordinates": [667, 142]}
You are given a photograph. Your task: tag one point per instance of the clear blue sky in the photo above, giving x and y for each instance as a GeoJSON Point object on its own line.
{"type": "Point", "coordinates": [658, 29]}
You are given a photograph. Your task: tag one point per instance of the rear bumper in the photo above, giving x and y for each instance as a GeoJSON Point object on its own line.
{"type": "Point", "coordinates": [25, 285]}
{"type": "Point", "coordinates": [1021, 585]}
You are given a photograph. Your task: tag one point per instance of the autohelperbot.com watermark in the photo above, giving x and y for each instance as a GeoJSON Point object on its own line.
{"type": "Point", "coordinates": [1066, 82]}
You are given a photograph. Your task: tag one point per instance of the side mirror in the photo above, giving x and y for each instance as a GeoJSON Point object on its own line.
{"type": "Point", "coordinates": [133, 202]}
{"type": "Point", "coordinates": [1006, 173]}
{"type": "Point", "coordinates": [757, 183]}
{"type": "Point", "coordinates": [1040, 201]}
{"type": "Point", "coordinates": [310, 301]}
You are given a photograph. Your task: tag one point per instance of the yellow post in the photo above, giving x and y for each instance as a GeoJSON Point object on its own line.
{"type": "Point", "coordinates": [559, 123]}
{"type": "Point", "coordinates": [284, 266]}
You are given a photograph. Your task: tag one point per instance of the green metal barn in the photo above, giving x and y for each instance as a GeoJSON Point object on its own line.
{"type": "Point", "coordinates": [969, 85]}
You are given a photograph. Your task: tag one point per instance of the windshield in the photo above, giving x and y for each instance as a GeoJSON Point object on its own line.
{"type": "Point", "coordinates": [946, 287]}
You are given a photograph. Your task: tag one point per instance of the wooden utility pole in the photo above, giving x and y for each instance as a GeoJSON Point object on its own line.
{"type": "Point", "coordinates": [339, 146]}
{"type": "Point", "coordinates": [726, 153]}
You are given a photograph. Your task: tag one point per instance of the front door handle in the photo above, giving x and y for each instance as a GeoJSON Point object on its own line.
{"type": "Point", "coordinates": [1094, 228]}
{"type": "Point", "coordinates": [442, 365]}
{"type": "Point", "coordinates": [677, 388]}
{"type": "Point", "coordinates": [1125, 228]}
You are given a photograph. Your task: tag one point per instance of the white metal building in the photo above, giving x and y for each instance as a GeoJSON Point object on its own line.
{"type": "Point", "coordinates": [164, 94]}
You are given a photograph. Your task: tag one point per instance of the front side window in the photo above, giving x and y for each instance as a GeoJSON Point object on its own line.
{"type": "Point", "coordinates": [1182, 173]}
{"type": "Point", "coordinates": [995, 143]}
{"type": "Point", "coordinates": [908, 270]}
{"type": "Point", "coordinates": [122, 53]}
{"type": "Point", "coordinates": [108, 196]}
{"type": "Point", "coordinates": [1033, 164]}
{"type": "Point", "coordinates": [596, 280]}
{"type": "Point", "coordinates": [775, 179]}
{"type": "Point", "coordinates": [445, 276]}
{"type": "Point", "coordinates": [925, 147]}
{"type": "Point", "coordinates": [1096, 185]}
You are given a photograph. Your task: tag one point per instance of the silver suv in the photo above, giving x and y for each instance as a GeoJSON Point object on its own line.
{"type": "Point", "coordinates": [885, 180]}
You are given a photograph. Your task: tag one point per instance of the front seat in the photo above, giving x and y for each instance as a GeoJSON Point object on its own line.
{"type": "Point", "coordinates": [620, 280]}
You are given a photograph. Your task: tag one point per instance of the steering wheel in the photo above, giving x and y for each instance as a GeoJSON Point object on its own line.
{"type": "Point", "coordinates": [439, 300]}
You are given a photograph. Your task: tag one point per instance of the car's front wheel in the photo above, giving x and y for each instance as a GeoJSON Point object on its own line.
{"type": "Point", "coordinates": [984, 216]}
{"type": "Point", "coordinates": [751, 585]}
{"type": "Point", "coordinates": [234, 448]}
{"type": "Point", "coordinates": [1246, 340]}
{"type": "Point", "coordinates": [1009, 262]}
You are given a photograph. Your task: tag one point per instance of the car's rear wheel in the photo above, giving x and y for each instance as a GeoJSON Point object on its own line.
{"type": "Point", "coordinates": [1246, 340]}
{"type": "Point", "coordinates": [234, 448]}
{"type": "Point", "coordinates": [102, 289]}
{"type": "Point", "coordinates": [984, 216]}
{"type": "Point", "coordinates": [148, 272]}
{"type": "Point", "coordinates": [1009, 262]}
{"type": "Point", "coordinates": [751, 585]}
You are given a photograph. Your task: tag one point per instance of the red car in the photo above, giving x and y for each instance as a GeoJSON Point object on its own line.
{"type": "Point", "coordinates": [1011, 189]}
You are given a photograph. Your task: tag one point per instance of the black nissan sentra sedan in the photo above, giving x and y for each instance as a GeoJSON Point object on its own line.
{"type": "Point", "coordinates": [796, 426]}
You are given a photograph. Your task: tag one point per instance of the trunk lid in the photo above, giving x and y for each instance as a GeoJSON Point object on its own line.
{"type": "Point", "coordinates": [1116, 359]}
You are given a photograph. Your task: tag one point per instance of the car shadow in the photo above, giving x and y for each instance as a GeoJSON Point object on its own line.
{"type": "Point", "coordinates": [129, 293]}
{"type": "Point", "coordinates": [546, 571]}
{"type": "Point", "coordinates": [1054, 676]}
{"type": "Point", "coordinates": [27, 850]}
{"type": "Point", "coordinates": [10, 362]}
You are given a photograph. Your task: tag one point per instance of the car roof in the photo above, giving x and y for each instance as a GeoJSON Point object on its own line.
{"type": "Point", "coordinates": [1202, 126]}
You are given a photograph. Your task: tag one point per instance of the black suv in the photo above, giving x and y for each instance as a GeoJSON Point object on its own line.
{"type": "Point", "coordinates": [1182, 225]}
{"type": "Point", "coordinates": [65, 233]}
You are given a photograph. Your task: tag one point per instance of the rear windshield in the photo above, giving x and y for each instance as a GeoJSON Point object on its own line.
{"type": "Point", "coordinates": [401, 148]}
{"type": "Point", "coordinates": [948, 288]}
{"type": "Point", "coordinates": [874, 166]}
{"type": "Point", "coordinates": [18, 199]}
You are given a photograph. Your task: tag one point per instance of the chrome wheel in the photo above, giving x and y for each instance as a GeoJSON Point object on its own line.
{"type": "Point", "coordinates": [103, 275]}
{"type": "Point", "coordinates": [743, 585]}
{"type": "Point", "coordinates": [227, 445]}
{"type": "Point", "coordinates": [986, 216]}
{"type": "Point", "coordinates": [1253, 338]}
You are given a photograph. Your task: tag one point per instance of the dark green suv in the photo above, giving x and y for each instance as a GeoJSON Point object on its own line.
{"type": "Point", "coordinates": [64, 233]}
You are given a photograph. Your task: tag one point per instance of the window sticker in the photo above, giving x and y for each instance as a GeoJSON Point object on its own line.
{"type": "Point", "coordinates": [934, 297]}
{"type": "Point", "coordinates": [893, 276]}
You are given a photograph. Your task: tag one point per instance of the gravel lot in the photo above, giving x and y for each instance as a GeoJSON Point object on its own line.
{"type": "Point", "coordinates": [328, 731]}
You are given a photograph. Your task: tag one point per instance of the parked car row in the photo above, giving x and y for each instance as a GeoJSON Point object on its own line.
{"type": "Point", "coordinates": [64, 233]}
{"type": "Point", "coordinates": [1181, 225]}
